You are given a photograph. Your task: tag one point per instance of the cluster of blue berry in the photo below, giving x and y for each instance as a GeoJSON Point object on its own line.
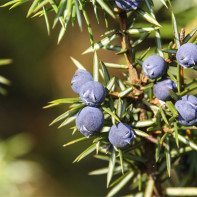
{"type": "Point", "coordinates": [155, 66]}
{"type": "Point", "coordinates": [90, 119]}
{"type": "Point", "coordinates": [186, 106]}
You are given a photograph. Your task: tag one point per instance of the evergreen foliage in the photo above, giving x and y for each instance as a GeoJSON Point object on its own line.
{"type": "Point", "coordinates": [163, 148]}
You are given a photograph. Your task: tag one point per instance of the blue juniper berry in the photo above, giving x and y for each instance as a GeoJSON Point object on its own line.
{"type": "Point", "coordinates": [162, 87]}
{"type": "Point", "coordinates": [154, 66]}
{"type": "Point", "coordinates": [187, 55]}
{"type": "Point", "coordinates": [121, 135]}
{"type": "Point", "coordinates": [187, 109]}
{"type": "Point", "coordinates": [128, 5]}
{"type": "Point", "coordinates": [89, 121]}
{"type": "Point", "coordinates": [92, 93]}
{"type": "Point", "coordinates": [80, 78]}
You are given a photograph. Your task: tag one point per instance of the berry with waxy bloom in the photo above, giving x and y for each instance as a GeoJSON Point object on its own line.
{"type": "Point", "coordinates": [121, 135]}
{"type": "Point", "coordinates": [162, 87]}
{"type": "Point", "coordinates": [128, 5]}
{"type": "Point", "coordinates": [92, 93]}
{"type": "Point", "coordinates": [154, 66]}
{"type": "Point", "coordinates": [186, 55]}
{"type": "Point", "coordinates": [187, 110]}
{"type": "Point", "coordinates": [89, 121]}
{"type": "Point", "coordinates": [80, 78]}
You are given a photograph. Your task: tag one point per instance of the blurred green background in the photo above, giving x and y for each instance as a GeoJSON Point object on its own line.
{"type": "Point", "coordinates": [32, 159]}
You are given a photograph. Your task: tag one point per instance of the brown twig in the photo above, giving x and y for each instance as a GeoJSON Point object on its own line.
{"type": "Point", "coordinates": [189, 134]}
{"type": "Point", "coordinates": [125, 42]}
{"type": "Point", "coordinates": [154, 140]}
{"type": "Point", "coordinates": [182, 35]}
{"type": "Point", "coordinates": [156, 191]}
{"type": "Point", "coordinates": [134, 74]}
{"type": "Point", "coordinates": [133, 95]}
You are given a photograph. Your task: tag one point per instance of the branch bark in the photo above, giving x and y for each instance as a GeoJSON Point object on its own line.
{"type": "Point", "coordinates": [133, 73]}
{"type": "Point", "coordinates": [125, 42]}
